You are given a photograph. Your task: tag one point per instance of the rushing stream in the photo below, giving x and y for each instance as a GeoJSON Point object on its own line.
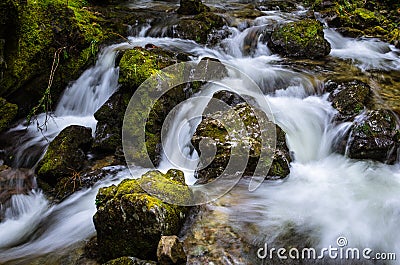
{"type": "Point", "coordinates": [325, 196]}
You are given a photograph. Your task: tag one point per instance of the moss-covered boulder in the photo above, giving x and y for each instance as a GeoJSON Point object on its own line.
{"type": "Point", "coordinates": [375, 136]}
{"type": "Point", "coordinates": [130, 222]}
{"type": "Point", "coordinates": [129, 261]}
{"type": "Point", "coordinates": [66, 154]}
{"type": "Point", "coordinates": [300, 39]}
{"type": "Point", "coordinates": [212, 134]}
{"type": "Point", "coordinates": [8, 111]}
{"type": "Point", "coordinates": [350, 98]}
{"type": "Point", "coordinates": [191, 7]}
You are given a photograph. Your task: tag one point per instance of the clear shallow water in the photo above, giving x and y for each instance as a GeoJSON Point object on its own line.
{"type": "Point", "coordinates": [326, 195]}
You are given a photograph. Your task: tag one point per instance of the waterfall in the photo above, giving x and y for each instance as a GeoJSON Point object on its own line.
{"type": "Point", "coordinates": [325, 196]}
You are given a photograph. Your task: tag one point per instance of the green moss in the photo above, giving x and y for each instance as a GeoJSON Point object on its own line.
{"type": "Point", "coordinates": [8, 111]}
{"type": "Point", "coordinates": [304, 32]}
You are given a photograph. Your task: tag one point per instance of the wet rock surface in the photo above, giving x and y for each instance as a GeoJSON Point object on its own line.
{"type": "Point", "coordinates": [301, 39]}
{"type": "Point", "coordinates": [212, 136]}
{"type": "Point", "coordinates": [170, 251]}
{"type": "Point", "coordinates": [130, 222]}
{"type": "Point", "coordinates": [375, 136]}
{"type": "Point", "coordinates": [349, 98]}
{"type": "Point", "coordinates": [66, 154]}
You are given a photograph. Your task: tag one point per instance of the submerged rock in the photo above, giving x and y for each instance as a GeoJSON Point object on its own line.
{"type": "Point", "coordinates": [66, 154]}
{"type": "Point", "coordinates": [375, 136]}
{"type": "Point", "coordinates": [15, 181]}
{"type": "Point", "coordinates": [192, 7]}
{"type": "Point", "coordinates": [130, 222]}
{"type": "Point", "coordinates": [301, 39]}
{"type": "Point", "coordinates": [212, 135]}
{"type": "Point", "coordinates": [170, 251]}
{"type": "Point", "coordinates": [8, 111]}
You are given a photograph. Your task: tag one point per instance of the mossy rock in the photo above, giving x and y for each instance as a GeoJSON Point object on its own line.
{"type": "Point", "coordinates": [350, 98]}
{"type": "Point", "coordinates": [192, 7]}
{"type": "Point", "coordinates": [130, 222]}
{"type": "Point", "coordinates": [212, 135]}
{"type": "Point", "coordinates": [66, 154]}
{"type": "Point", "coordinates": [357, 18]}
{"type": "Point", "coordinates": [301, 39]}
{"type": "Point", "coordinates": [8, 112]}
{"type": "Point", "coordinates": [375, 136]}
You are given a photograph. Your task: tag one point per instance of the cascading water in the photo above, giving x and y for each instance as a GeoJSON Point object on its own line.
{"type": "Point", "coordinates": [326, 193]}
{"type": "Point", "coordinates": [76, 107]}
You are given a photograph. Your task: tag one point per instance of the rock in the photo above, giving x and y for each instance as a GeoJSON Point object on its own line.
{"type": "Point", "coordinates": [301, 39]}
{"type": "Point", "coordinates": [211, 134]}
{"type": "Point", "coordinates": [375, 136]}
{"type": "Point", "coordinates": [170, 251]}
{"type": "Point", "coordinates": [285, 6]}
{"type": "Point", "coordinates": [130, 261]}
{"type": "Point", "coordinates": [130, 222]}
{"type": "Point", "coordinates": [192, 7]}
{"type": "Point", "coordinates": [136, 66]}
{"type": "Point", "coordinates": [198, 28]}
{"type": "Point", "coordinates": [66, 154]}
{"type": "Point", "coordinates": [350, 98]}
{"type": "Point", "coordinates": [110, 118]}
{"type": "Point", "coordinates": [8, 112]}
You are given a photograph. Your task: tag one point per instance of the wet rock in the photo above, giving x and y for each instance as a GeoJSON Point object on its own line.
{"type": "Point", "coordinates": [110, 118]}
{"type": "Point", "coordinates": [170, 251]}
{"type": "Point", "coordinates": [8, 111]}
{"type": "Point", "coordinates": [199, 28]}
{"type": "Point", "coordinates": [375, 136]}
{"type": "Point", "coordinates": [129, 261]}
{"type": "Point", "coordinates": [130, 222]}
{"type": "Point", "coordinates": [66, 154]}
{"type": "Point", "coordinates": [192, 7]}
{"type": "Point", "coordinates": [213, 140]}
{"type": "Point", "coordinates": [350, 98]}
{"type": "Point", "coordinates": [301, 39]}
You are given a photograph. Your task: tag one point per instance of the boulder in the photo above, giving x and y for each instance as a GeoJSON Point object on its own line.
{"type": "Point", "coordinates": [66, 154]}
{"type": "Point", "coordinates": [191, 7]}
{"type": "Point", "coordinates": [130, 222]}
{"type": "Point", "coordinates": [211, 134]}
{"type": "Point", "coordinates": [300, 39]}
{"type": "Point", "coordinates": [349, 98]}
{"type": "Point", "coordinates": [8, 112]}
{"type": "Point", "coordinates": [170, 251]}
{"type": "Point", "coordinates": [375, 136]}
{"type": "Point", "coordinates": [198, 28]}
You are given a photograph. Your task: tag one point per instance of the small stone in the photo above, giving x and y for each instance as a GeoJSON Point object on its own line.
{"type": "Point", "coordinates": [170, 251]}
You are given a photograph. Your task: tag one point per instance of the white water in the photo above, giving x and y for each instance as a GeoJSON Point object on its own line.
{"type": "Point", "coordinates": [325, 193]}
{"type": "Point", "coordinates": [77, 106]}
